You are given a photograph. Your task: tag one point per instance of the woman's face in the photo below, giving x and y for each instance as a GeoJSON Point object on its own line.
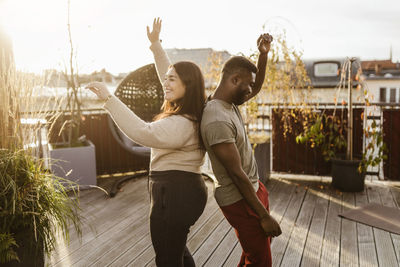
{"type": "Point", "coordinates": [174, 89]}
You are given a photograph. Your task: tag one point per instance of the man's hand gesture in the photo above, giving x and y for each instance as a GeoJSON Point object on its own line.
{"type": "Point", "coordinates": [270, 226]}
{"type": "Point", "coordinates": [154, 35]}
{"type": "Point", "coordinates": [264, 43]}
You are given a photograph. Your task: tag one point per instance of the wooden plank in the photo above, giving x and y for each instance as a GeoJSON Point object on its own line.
{"type": "Point", "coordinates": [122, 254]}
{"type": "Point", "coordinates": [384, 245]}
{"type": "Point", "coordinates": [129, 243]}
{"type": "Point", "coordinates": [138, 216]}
{"type": "Point", "coordinates": [148, 254]}
{"type": "Point", "coordinates": [134, 245]}
{"type": "Point", "coordinates": [395, 191]}
{"type": "Point", "coordinates": [111, 208]}
{"type": "Point", "coordinates": [88, 196]}
{"type": "Point", "coordinates": [330, 247]}
{"type": "Point", "coordinates": [234, 258]}
{"type": "Point", "coordinates": [91, 211]}
{"type": "Point", "coordinates": [151, 264]}
{"type": "Point", "coordinates": [348, 237]}
{"type": "Point", "coordinates": [134, 252]}
{"type": "Point", "coordinates": [194, 241]}
{"type": "Point", "coordinates": [142, 259]}
{"type": "Point", "coordinates": [206, 249]}
{"type": "Point", "coordinates": [89, 199]}
{"type": "Point", "coordinates": [280, 199]}
{"type": "Point", "coordinates": [365, 236]}
{"type": "Point", "coordinates": [298, 237]}
{"type": "Point", "coordinates": [271, 185]}
{"type": "Point", "coordinates": [103, 252]}
{"type": "Point", "coordinates": [312, 250]}
{"type": "Point", "coordinates": [388, 200]}
{"type": "Point", "coordinates": [147, 258]}
{"type": "Point", "coordinates": [224, 249]}
{"type": "Point", "coordinates": [278, 246]}
{"type": "Point", "coordinates": [66, 253]}
{"type": "Point", "coordinates": [102, 205]}
{"type": "Point", "coordinates": [396, 195]}
{"type": "Point", "coordinates": [201, 236]}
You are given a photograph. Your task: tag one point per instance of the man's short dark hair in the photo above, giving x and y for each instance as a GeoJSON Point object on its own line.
{"type": "Point", "coordinates": [238, 64]}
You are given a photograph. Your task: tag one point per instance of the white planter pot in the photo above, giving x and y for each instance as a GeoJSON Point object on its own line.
{"type": "Point", "coordinates": [77, 164]}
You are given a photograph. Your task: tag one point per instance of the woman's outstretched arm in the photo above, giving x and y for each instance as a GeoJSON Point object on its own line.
{"type": "Point", "coordinates": [160, 56]}
{"type": "Point", "coordinates": [173, 132]}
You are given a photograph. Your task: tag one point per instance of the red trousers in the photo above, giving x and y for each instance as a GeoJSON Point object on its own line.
{"type": "Point", "coordinates": [255, 244]}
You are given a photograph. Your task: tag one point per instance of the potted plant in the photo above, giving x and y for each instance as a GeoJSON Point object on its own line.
{"type": "Point", "coordinates": [286, 76]}
{"type": "Point", "coordinates": [262, 151]}
{"type": "Point", "coordinates": [333, 134]}
{"type": "Point", "coordinates": [34, 204]}
{"type": "Point", "coordinates": [73, 157]}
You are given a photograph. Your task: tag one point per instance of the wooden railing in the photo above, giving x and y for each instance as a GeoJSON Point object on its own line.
{"type": "Point", "coordinates": [287, 155]}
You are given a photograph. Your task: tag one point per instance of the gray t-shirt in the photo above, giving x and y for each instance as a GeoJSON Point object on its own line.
{"type": "Point", "coordinates": [222, 123]}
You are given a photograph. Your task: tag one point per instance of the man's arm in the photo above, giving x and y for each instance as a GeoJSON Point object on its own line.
{"type": "Point", "coordinates": [263, 45]}
{"type": "Point", "coordinates": [228, 155]}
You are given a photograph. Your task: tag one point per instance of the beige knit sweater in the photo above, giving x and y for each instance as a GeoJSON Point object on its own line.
{"type": "Point", "coordinates": [173, 140]}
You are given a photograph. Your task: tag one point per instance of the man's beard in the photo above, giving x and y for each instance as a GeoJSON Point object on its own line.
{"type": "Point", "coordinates": [240, 97]}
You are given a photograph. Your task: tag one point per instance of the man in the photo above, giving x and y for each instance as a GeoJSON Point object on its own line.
{"type": "Point", "coordinates": [241, 196]}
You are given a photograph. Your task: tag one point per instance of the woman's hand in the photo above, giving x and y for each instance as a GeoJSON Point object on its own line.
{"type": "Point", "coordinates": [100, 89]}
{"type": "Point", "coordinates": [154, 35]}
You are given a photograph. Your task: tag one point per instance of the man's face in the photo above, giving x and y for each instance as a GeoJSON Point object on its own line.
{"type": "Point", "coordinates": [244, 88]}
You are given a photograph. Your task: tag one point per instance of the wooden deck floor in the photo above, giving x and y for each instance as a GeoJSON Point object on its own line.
{"type": "Point", "coordinates": [116, 232]}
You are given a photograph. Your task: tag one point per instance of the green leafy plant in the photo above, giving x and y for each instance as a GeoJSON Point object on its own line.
{"type": "Point", "coordinates": [34, 205]}
{"type": "Point", "coordinates": [328, 131]}
{"type": "Point", "coordinates": [286, 88]}
{"type": "Point", "coordinates": [376, 150]}
{"type": "Point", "coordinates": [7, 246]}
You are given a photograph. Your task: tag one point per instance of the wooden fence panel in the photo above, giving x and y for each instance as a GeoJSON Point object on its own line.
{"type": "Point", "coordinates": [290, 157]}
{"type": "Point", "coordinates": [110, 156]}
{"type": "Point", "coordinates": [391, 136]}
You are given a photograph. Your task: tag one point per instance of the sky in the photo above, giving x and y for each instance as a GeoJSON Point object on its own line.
{"type": "Point", "coordinates": [111, 34]}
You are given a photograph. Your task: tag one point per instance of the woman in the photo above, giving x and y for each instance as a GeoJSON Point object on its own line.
{"type": "Point", "coordinates": [177, 190]}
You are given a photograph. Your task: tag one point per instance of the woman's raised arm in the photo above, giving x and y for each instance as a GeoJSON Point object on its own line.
{"type": "Point", "coordinates": [160, 56]}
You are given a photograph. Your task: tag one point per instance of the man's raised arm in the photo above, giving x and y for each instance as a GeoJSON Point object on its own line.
{"type": "Point", "coordinates": [263, 45]}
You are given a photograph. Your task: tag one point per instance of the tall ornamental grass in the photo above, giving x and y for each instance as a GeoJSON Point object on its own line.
{"type": "Point", "coordinates": [34, 204]}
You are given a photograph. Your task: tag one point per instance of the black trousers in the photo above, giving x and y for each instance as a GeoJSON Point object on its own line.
{"type": "Point", "coordinates": [178, 199]}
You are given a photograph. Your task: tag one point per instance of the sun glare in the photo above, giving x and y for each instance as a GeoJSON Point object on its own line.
{"type": "Point", "coordinates": [33, 25]}
{"type": "Point", "coordinates": [38, 30]}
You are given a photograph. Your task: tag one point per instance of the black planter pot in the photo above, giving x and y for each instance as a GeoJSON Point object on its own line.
{"type": "Point", "coordinates": [345, 175]}
{"type": "Point", "coordinates": [30, 254]}
{"type": "Point", "coordinates": [262, 155]}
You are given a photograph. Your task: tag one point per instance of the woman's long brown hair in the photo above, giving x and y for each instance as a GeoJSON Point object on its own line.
{"type": "Point", "coordinates": [191, 105]}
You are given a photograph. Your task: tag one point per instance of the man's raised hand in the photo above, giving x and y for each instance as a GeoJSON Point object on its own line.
{"type": "Point", "coordinates": [264, 43]}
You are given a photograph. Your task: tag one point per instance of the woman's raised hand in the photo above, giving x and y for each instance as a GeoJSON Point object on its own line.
{"type": "Point", "coordinates": [100, 89]}
{"type": "Point", "coordinates": [154, 35]}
